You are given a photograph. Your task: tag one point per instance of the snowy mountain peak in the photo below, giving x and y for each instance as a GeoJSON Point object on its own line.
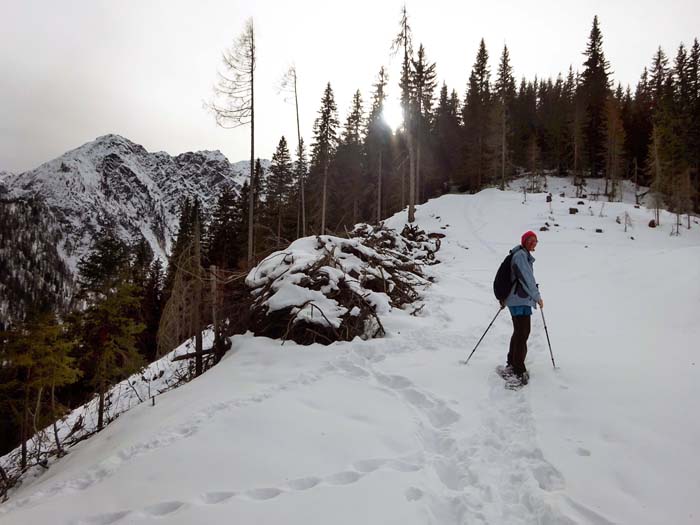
{"type": "Point", "coordinates": [112, 180]}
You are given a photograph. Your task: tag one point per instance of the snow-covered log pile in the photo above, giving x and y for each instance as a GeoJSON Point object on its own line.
{"type": "Point", "coordinates": [325, 288]}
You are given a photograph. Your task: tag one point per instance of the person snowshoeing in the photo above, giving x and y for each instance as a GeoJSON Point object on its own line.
{"type": "Point", "coordinates": [524, 296]}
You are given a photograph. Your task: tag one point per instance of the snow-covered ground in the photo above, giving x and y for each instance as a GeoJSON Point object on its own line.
{"type": "Point", "coordinates": [396, 430]}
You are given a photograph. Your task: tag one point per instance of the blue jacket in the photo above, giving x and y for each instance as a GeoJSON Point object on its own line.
{"type": "Point", "coordinates": [525, 292]}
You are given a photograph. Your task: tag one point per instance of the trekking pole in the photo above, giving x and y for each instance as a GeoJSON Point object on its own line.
{"type": "Point", "coordinates": [547, 332]}
{"type": "Point", "coordinates": [477, 344]}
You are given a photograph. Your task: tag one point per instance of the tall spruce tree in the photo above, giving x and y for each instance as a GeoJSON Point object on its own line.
{"type": "Point", "coordinates": [301, 173]}
{"type": "Point", "coordinates": [349, 167]}
{"type": "Point", "coordinates": [447, 134]}
{"type": "Point", "coordinates": [324, 147]}
{"type": "Point", "coordinates": [595, 87]}
{"type": "Point", "coordinates": [504, 94]}
{"type": "Point", "coordinates": [224, 238]}
{"type": "Point", "coordinates": [476, 116]}
{"type": "Point", "coordinates": [659, 78]}
{"type": "Point", "coordinates": [109, 341]}
{"type": "Point", "coordinates": [614, 147]}
{"type": "Point", "coordinates": [104, 265]}
{"type": "Point", "coordinates": [377, 140]}
{"type": "Point", "coordinates": [279, 213]}
{"type": "Point", "coordinates": [423, 85]}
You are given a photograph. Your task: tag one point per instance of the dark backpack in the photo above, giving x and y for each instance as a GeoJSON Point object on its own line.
{"type": "Point", "coordinates": [503, 282]}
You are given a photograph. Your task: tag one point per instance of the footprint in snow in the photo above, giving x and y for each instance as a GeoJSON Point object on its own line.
{"type": "Point", "coordinates": [403, 466]}
{"type": "Point", "coordinates": [413, 494]}
{"type": "Point", "coordinates": [396, 382]}
{"type": "Point", "coordinates": [343, 478]}
{"type": "Point", "coordinates": [263, 494]}
{"type": "Point", "coordinates": [583, 452]}
{"type": "Point", "coordinates": [104, 519]}
{"type": "Point", "coordinates": [213, 498]}
{"type": "Point", "coordinates": [369, 465]}
{"type": "Point", "coordinates": [163, 509]}
{"type": "Point", "coordinates": [304, 483]}
{"type": "Point", "coordinates": [442, 417]}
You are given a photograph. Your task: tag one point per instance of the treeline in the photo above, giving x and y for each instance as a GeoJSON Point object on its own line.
{"type": "Point", "coordinates": [578, 124]}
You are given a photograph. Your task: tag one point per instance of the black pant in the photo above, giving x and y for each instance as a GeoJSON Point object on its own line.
{"type": "Point", "coordinates": [518, 343]}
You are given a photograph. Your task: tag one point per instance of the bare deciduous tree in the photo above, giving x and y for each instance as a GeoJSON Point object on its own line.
{"type": "Point", "coordinates": [403, 42]}
{"type": "Point", "coordinates": [234, 102]}
{"type": "Point", "coordinates": [289, 84]}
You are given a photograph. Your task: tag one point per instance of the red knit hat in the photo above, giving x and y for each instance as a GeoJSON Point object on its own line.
{"type": "Point", "coordinates": [526, 236]}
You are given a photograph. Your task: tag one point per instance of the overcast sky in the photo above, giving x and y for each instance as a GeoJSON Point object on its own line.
{"type": "Point", "coordinates": [73, 70]}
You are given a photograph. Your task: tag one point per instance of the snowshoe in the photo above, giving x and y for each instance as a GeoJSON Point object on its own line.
{"type": "Point", "coordinates": [513, 381]}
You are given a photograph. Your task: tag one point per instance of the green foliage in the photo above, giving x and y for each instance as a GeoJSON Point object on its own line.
{"type": "Point", "coordinates": [35, 359]}
{"type": "Point", "coordinates": [102, 267]}
{"type": "Point", "coordinates": [109, 335]}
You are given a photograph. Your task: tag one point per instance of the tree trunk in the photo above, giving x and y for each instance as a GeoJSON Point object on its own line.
{"type": "Point", "coordinates": [301, 175]}
{"type": "Point", "coordinates": [54, 415]}
{"type": "Point", "coordinates": [657, 165]}
{"type": "Point", "coordinates": [503, 150]}
{"type": "Point", "coordinates": [379, 187]}
{"type": "Point", "coordinates": [24, 427]}
{"type": "Point", "coordinates": [279, 226]}
{"type": "Point", "coordinates": [197, 313]}
{"type": "Point", "coordinates": [323, 198]}
{"type": "Point", "coordinates": [251, 197]}
{"type": "Point", "coordinates": [101, 406]}
{"type": "Point", "coordinates": [411, 179]}
{"type": "Point", "coordinates": [418, 181]}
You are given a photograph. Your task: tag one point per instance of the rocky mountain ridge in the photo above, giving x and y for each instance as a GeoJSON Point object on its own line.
{"type": "Point", "coordinates": [109, 182]}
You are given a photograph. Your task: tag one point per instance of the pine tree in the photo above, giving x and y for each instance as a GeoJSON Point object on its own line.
{"type": "Point", "coordinates": [225, 238]}
{"type": "Point", "coordinates": [694, 129]}
{"type": "Point", "coordinates": [504, 91]}
{"type": "Point", "coordinates": [476, 113]}
{"type": "Point", "coordinates": [595, 88]}
{"type": "Point", "coordinates": [279, 185]}
{"type": "Point", "coordinates": [151, 310]}
{"type": "Point", "coordinates": [36, 360]}
{"type": "Point", "coordinates": [615, 139]}
{"type": "Point", "coordinates": [447, 137]}
{"type": "Point", "coordinates": [349, 167]}
{"type": "Point", "coordinates": [641, 130]}
{"type": "Point", "coordinates": [104, 265]}
{"type": "Point", "coordinates": [660, 76]}
{"type": "Point", "coordinates": [325, 145]}
{"type": "Point", "coordinates": [109, 338]}
{"type": "Point", "coordinates": [190, 212]}
{"type": "Point", "coordinates": [301, 173]}
{"type": "Point", "coordinates": [403, 43]}
{"type": "Point", "coordinates": [423, 85]}
{"type": "Point", "coordinates": [377, 140]}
